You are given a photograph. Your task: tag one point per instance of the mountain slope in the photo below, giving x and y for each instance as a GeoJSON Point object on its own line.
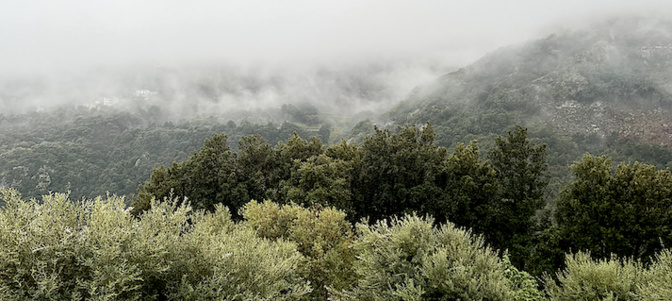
{"type": "Point", "coordinates": [613, 81]}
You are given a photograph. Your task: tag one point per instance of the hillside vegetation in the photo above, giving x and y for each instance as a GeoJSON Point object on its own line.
{"type": "Point", "coordinates": [91, 152]}
{"type": "Point", "coordinates": [605, 241]}
{"type": "Point", "coordinates": [604, 90]}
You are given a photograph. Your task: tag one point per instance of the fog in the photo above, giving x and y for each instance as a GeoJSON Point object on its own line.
{"type": "Point", "coordinates": [219, 56]}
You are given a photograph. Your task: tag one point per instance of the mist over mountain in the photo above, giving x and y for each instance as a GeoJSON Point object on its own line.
{"type": "Point", "coordinates": [121, 96]}
{"type": "Point", "coordinates": [610, 79]}
{"type": "Point", "coordinates": [231, 92]}
{"type": "Point", "coordinates": [230, 58]}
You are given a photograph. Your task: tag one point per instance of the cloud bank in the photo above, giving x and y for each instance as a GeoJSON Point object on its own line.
{"type": "Point", "coordinates": [56, 51]}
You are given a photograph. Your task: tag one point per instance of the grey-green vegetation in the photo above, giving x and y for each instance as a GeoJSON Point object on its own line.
{"type": "Point", "coordinates": [408, 258]}
{"type": "Point", "coordinates": [586, 278]}
{"type": "Point", "coordinates": [56, 249]}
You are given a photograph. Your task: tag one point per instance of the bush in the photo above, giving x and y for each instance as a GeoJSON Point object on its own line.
{"type": "Point", "coordinates": [408, 259]}
{"type": "Point", "coordinates": [659, 274]}
{"type": "Point", "coordinates": [586, 278]}
{"type": "Point", "coordinates": [57, 249]}
{"type": "Point", "coordinates": [322, 235]}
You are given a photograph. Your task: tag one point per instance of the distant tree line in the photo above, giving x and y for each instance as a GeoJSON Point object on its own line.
{"type": "Point", "coordinates": [91, 153]}
{"type": "Point", "coordinates": [95, 152]}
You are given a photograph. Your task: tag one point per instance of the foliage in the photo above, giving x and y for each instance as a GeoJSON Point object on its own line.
{"type": "Point", "coordinates": [323, 236]}
{"type": "Point", "coordinates": [521, 168]}
{"type": "Point", "coordinates": [409, 259]}
{"type": "Point", "coordinates": [393, 173]}
{"type": "Point", "coordinates": [256, 167]}
{"type": "Point", "coordinates": [56, 249]}
{"type": "Point", "coordinates": [399, 172]}
{"type": "Point", "coordinates": [625, 212]}
{"type": "Point", "coordinates": [322, 180]}
{"type": "Point", "coordinates": [546, 254]}
{"type": "Point", "coordinates": [585, 278]}
{"type": "Point", "coordinates": [659, 276]}
{"type": "Point", "coordinates": [291, 155]}
{"type": "Point", "coordinates": [525, 286]}
{"type": "Point", "coordinates": [520, 165]}
{"type": "Point", "coordinates": [470, 189]}
{"type": "Point", "coordinates": [206, 178]}
{"type": "Point", "coordinates": [389, 174]}
{"type": "Point", "coordinates": [92, 152]}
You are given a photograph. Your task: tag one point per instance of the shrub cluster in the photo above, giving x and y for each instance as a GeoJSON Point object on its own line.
{"type": "Point", "coordinates": [56, 249]}
{"type": "Point", "coordinates": [586, 278]}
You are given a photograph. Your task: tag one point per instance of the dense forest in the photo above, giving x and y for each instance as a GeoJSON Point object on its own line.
{"type": "Point", "coordinates": [93, 152]}
{"type": "Point", "coordinates": [540, 172]}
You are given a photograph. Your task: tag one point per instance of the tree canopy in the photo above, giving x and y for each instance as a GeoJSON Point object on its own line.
{"type": "Point", "coordinates": [626, 211]}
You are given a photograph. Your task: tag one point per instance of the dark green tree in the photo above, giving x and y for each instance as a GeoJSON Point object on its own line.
{"type": "Point", "coordinates": [627, 212]}
{"type": "Point", "coordinates": [256, 168]}
{"type": "Point", "coordinates": [399, 172]}
{"type": "Point", "coordinates": [205, 179]}
{"type": "Point", "coordinates": [470, 190]}
{"type": "Point", "coordinates": [290, 155]}
{"type": "Point", "coordinates": [521, 169]}
{"type": "Point", "coordinates": [322, 180]}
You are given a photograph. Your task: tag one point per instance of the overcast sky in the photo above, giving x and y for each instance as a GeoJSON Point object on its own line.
{"type": "Point", "coordinates": [47, 35]}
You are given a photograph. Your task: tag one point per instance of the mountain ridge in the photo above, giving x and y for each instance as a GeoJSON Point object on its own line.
{"type": "Point", "coordinates": [612, 79]}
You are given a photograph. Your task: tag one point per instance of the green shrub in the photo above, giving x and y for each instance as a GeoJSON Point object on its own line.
{"type": "Point", "coordinates": [525, 287]}
{"type": "Point", "coordinates": [323, 235]}
{"type": "Point", "coordinates": [97, 250]}
{"type": "Point", "coordinates": [587, 279]}
{"type": "Point", "coordinates": [659, 275]}
{"type": "Point", "coordinates": [57, 249]}
{"type": "Point", "coordinates": [409, 259]}
{"type": "Point", "coordinates": [242, 266]}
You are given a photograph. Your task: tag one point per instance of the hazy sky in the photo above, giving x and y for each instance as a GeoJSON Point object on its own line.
{"type": "Point", "coordinates": [46, 35]}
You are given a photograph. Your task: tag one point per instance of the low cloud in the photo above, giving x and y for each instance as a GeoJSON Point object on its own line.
{"type": "Point", "coordinates": [350, 55]}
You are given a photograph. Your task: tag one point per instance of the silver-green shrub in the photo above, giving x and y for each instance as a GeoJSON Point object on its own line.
{"type": "Point", "coordinates": [322, 235]}
{"type": "Point", "coordinates": [409, 259]}
{"type": "Point", "coordinates": [56, 249]}
{"type": "Point", "coordinates": [586, 278]}
{"type": "Point", "coordinates": [41, 245]}
{"type": "Point", "coordinates": [236, 264]}
{"type": "Point", "coordinates": [659, 276]}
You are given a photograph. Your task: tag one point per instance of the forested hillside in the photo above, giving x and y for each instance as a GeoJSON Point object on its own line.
{"type": "Point", "coordinates": [539, 172]}
{"type": "Point", "coordinates": [604, 90]}
{"type": "Point", "coordinates": [180, 240]}
{"type": "Point", "coordinates": [91, 152]}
